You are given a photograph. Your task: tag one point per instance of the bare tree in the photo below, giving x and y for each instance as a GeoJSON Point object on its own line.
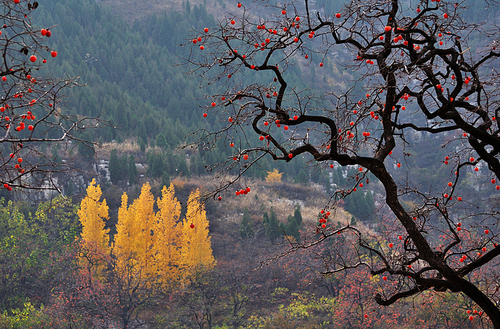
{"type": "Point", "coordinates": [31, 111]}
{"type": "Point", "coordinates": [420, 76]}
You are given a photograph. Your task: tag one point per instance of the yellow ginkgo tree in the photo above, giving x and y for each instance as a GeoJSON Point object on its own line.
{"type": "Point", "coordinates": [92, 214]}
{"type": "Point", "coordinates": [196, 250]}
{"type": "Point", "coordinates": [149, 249]}
{"type": "Point", "coordinates": [152, 252]}
{"type": "Point", "coordinates": [168, 243]}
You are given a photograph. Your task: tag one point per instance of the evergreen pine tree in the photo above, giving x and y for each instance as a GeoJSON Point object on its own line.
{"type": "Point", "coordinates": [272, 226]}
{"type": "Point", "coordinates": [298, 215]}
{"type": "Point", "coordinates": [370, 204]}
{"type": "Point", "coordinates": [292, 228]}
{"type": "Point", "coordinates": [132, 170]}
{"type": "Point", "coordinates": [246, 230]}
{"type": "Point", "coordinates": [116, 167]}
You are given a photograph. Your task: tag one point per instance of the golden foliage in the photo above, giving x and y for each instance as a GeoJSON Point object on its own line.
{"type": "Point", "coordinates": [93, 214]}
{"type": "Point", "coordinates": [95, 240]}
{"type": "Point", "coordinates": [196, 249]}
{"type": "Point", "coordinates": [151, 249]}
{"type": "Point", "coordinates": [178, 183]}
{"type": "Point", "coordinates": [274, 176]}
{"type": "Point", "coordinates": [167, 247]}
{"type": "Point", "coordinates": [134, 240]}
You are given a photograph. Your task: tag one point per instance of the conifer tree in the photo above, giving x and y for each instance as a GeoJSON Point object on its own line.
{"type": "Point", "coordinates": [246, 230]}
{"type": "Point", "coordinates": [271, 225]}
{"type": "Point", "coordinates": [298, 215]}
{"type": "Point", "coordinates": [132, 170]}
{"type": "Point", "coordinates": [115, 167]}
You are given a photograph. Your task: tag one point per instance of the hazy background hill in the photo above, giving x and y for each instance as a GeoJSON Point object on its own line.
{"type": "Point", "coordinates": [127, 55]}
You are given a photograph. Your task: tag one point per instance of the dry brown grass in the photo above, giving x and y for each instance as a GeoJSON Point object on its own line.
{"type": "Point", "coordinates": [282, 197]}
{"type": "Point", "coordinates": [133, 10]}
{"type": "Point", "coordinates": [178, 183]}
{"type": "Point", "coordinates": [128, 146]}
{"type": "Point", "coordinates": [155, 149]}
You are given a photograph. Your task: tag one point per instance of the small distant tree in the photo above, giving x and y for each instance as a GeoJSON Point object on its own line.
{"type": "Point", "coordinates": [86, 149]}
{"type": "Point", "coordinates": [301, 176]}
{"type": "Point", "coordinates": [246, 230]}
{"type": "Point", "coordinates": [161, 141]}
{"type": "Point", "coordinates": [142, 144]}
{"type": "Point", "coordinates": [298, 215]}
{"type": "Point", "coordinates": [272, 226]}
{"type": "Point", "coordinates": [182, 167]}
{"type": "Point", "coordinates": [370, 204]}
{"type": "Point", "coordinates": [274, 176]}
{"type": "Point", "coordinates": [293, 223]}
{"type": "Point", "coordinates": [165, 179]}
{"type": "Point", "coordinates": [360, 204]}
{"type": "Point", "coordinates": [196, 165]}
{"type": "Point", "coordinates": [156, 164]}
{"type": "Point", "coordinates": [132, 170]}
{"type": "Point", "coordinates": [117, 169]}
{"type": "Point", "coordinates": [291, 228]}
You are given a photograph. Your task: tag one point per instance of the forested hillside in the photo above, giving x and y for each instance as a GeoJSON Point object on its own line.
{"type": "Point", "coordinates": [134, 76]}
{"type": "Point", "coordinates": [131, 76]}
{"type": "Point", "coordinates": [133, 80]}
